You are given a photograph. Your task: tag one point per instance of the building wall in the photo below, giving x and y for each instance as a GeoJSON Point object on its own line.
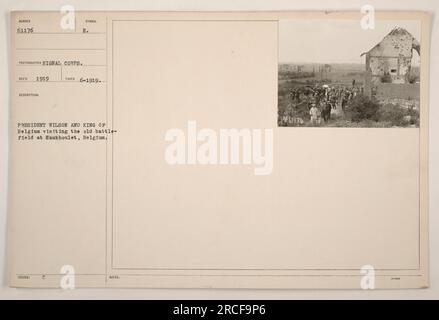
{"type": "Point", "coordinates": [390, 69]}
{"type": "Point", "coordinates": [390, 60]}
{"type": "Point", "coordinates": [406, 91]}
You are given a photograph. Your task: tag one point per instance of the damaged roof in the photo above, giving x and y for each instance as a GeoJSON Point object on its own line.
{"type": "Point", "coordinates": [399, 42]}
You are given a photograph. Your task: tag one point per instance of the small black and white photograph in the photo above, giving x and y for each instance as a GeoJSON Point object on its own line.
{"type": "Point", "coordinates": [334, 73]}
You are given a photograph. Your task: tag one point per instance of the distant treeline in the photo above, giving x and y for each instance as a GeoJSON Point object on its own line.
{"type": "Point", "coordinates": [286, 75]}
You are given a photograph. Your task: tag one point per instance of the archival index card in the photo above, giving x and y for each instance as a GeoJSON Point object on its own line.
{"type": "Point", "coordinates": [220, 150]}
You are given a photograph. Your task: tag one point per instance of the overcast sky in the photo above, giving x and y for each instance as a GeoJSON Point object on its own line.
{"type": "Point", "coordinates": [335, 41]}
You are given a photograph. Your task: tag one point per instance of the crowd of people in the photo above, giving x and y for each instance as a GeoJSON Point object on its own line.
{"type": "Point", "coordinates": [315, 104]}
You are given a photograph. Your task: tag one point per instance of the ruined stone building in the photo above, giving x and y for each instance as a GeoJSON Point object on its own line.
{"type": "Point", "coordinates": [388, 66]}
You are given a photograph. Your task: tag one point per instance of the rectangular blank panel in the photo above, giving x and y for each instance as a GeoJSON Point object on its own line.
{"type": "Point", "coordinates": [336, 199]}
